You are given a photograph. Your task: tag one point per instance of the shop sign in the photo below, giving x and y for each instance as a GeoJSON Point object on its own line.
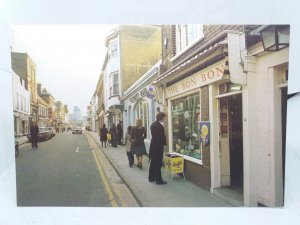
{"type": "Point", "coordinates": [201, 78]}
{"type": "Point", "coordinates": [204, 132]}
{"type": "Point", "coordinates": [138, 95]}
{"type": "Point", "coordinates": [150, 93]}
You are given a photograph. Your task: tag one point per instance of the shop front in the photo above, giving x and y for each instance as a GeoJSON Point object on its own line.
{"type": "Point", "coordinates": [139, 102]}
{"type": "Point", "coordinates": [204, 97]}
{"type": "Point", "coordinates": [191, 122]}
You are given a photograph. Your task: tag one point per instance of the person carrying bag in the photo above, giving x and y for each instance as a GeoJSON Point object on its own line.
{"type": "Point", "coordinates": [128, 145]}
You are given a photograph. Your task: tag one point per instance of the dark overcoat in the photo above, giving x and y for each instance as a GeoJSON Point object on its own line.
{"type": "Point", "coordinates": [34, 130]}
{"type": "Point", "coordinates": [158, 141]}
{"type": "Point", "coordinates": [103, 134]}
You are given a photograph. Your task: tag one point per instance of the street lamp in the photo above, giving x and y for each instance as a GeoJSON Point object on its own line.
{"type": "Point", "coordinates": [275, 37]}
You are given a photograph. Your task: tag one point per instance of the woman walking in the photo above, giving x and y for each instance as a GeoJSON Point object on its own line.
{"type": "Point", "coordinates": [138, 135]}
{"type": "Point", "coordinates": [128, 146]}
{"type": "Point", "coordinates": [103, 135]}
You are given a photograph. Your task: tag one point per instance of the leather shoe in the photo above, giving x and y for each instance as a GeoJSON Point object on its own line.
{"type": "Point", "coordinates": [161, 182]}
{"type": "Point", "coordinates": [150, 180]}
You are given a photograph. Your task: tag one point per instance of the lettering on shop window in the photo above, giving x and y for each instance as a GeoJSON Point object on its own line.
{"type": "Point", "coordinates": [200, 79]}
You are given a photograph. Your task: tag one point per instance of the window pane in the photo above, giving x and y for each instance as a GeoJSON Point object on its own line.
{"type": "Point", "coordinates": [186, 136]}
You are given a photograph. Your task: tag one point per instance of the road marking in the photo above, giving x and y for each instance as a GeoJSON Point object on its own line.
{"type": "Point", "coordinates": [104, 179]}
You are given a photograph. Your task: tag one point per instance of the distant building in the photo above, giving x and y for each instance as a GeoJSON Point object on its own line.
{"type": "Point", "coordinates": [76, 115]}
{"type": "Point", "coordinates": [131, 51]}
{"type": "Point", "coordinates": [21, 106]}
{"type": "Point", "coordinates": [25, 67]}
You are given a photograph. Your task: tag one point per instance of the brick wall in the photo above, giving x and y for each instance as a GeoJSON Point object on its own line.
{"type": "Point", "coordinates": [169, 44]}
{"type": "Point", "coordinates": [210, 31]}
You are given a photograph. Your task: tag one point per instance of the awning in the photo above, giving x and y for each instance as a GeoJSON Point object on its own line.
{"type": "Point", "coordinates": [232, 49]}
{"type": "Point", "coordinates": [187, 63]}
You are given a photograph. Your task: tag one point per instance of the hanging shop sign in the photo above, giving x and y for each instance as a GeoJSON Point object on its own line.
{"type": "Point", "coordinates": [209, 75]}
{"type": "Point", "coordinates": [204, 132]}
{"type": "Point", "coordinates": [150, 93]}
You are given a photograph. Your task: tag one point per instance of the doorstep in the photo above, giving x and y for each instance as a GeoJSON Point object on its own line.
{"type": "Point", "coordinates": [231, 195]}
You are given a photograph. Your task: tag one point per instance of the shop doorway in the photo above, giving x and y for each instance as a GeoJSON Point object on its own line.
{"type": "Point", "coordinates": [283, 121]}
{"type": "Point", "coordinates": [231, 142]}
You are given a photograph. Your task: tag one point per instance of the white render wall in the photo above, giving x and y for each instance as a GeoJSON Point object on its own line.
{"type": "Point", "coordinates": [23, 94]}
{"type": "Point", "coordinates": [265, 129]}
{"type": "Point", "coordinates": [112, 65]}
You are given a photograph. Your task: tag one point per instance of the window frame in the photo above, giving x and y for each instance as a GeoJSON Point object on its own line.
{"type": "Point", "coordinates": [183, 43]}
{"type": "Point", "coordinates": [114, 50]}
{"type": "Point", "coordinates": [114, 84]}
{"type": "Point", "coordinates": [170, 133]}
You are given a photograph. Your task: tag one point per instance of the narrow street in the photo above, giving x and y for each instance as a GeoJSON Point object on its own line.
{"type": "Point", "coordinates": [72, 170]}
{"type": "Point", "coordinates": [61, 172]}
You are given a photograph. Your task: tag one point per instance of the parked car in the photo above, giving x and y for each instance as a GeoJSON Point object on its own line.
{"type": "Point", "coordinates": [16, 149]}
{"type": "Point", "coordinates": [44, 134]}
{"type": "Point", "coordinates": [51, 130]}
{"type": "Point", "coordinates": [77, 130]}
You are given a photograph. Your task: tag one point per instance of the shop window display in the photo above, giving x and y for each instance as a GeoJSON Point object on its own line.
{"type": "Point", "coordinates": [185, 122]}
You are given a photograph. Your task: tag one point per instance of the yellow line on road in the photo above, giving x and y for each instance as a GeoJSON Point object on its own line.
{"type": "Point", "coordinates": [104, 179]}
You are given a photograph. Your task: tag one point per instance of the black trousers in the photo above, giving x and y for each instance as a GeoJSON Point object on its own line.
{"type": "Point", "coordinates": [155, 170]}
{"type": "Point", "coordinates": [130, 158]}
{"type": "Point", "coordinates": [34, 143]}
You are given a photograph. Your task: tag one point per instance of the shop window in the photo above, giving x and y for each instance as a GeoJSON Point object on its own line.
{"type": "Point", "coordinates": [185, 123]}
{"type": "Point", "coordinates": [141, 112]}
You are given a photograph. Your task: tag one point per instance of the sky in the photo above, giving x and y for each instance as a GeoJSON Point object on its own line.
{"type": "Point", "coordinates": [69, 58]}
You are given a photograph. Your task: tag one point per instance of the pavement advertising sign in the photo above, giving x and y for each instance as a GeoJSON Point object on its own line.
{"type": "Point", "coordinates": [174, 163]}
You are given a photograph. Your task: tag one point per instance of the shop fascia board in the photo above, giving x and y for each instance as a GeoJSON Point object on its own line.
{"type": "Point", "coordinates": [207, 55]}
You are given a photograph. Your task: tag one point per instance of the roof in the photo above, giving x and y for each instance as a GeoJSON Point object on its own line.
{"type": "Point", "coordinates": [190, 61]}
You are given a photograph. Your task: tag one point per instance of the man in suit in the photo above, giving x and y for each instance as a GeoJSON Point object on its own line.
{"type": "Point", "coordinates": [156, 150]}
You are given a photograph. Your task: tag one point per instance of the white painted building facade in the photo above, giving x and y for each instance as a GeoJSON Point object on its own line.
{"type": "Point", "coordinates": [112, 80]}
{"type": "Point", "coordinates": [21, 106]}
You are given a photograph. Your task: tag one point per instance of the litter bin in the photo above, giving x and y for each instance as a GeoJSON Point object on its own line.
{"type": "Point", "coordinates": [174, 164]}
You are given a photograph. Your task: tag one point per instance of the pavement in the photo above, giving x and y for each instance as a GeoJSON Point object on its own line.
{"type": "Point", "coordinates": [176, 193]}
{"type": "Point", "coordinates": [22, 140]}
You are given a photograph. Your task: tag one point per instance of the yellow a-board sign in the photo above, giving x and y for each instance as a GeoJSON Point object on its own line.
{"type": "Point", "coordinates": [174, 163]}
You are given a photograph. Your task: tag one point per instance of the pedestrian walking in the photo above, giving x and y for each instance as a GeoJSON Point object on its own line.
{"type": "Point", "coordinates": [113, 132]}
{"type": "Point", "coordinates": [129, 146]}
{"type": "Point", "coordinates": [34, 131]}
{"type": "Point", "coordinates": [158, 141]}
{"type": "Point", "coordinates": [138, 135]}
{"type": "Point", "coordinates": [109, 138]}
{"type": "Point", "coordinates": [103, 135]}
{"type": "Point", "coordinates": [120, 133]}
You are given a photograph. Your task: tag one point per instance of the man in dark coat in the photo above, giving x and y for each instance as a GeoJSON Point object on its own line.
{"type": "Point", "coordinates": [113, 132]}
{"type": "Point", "coordinates": [120, 133]}
{"type": "Point", "coordinates": [156, 150]}
{"type": "Point", "coordinates": [34, 131]}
